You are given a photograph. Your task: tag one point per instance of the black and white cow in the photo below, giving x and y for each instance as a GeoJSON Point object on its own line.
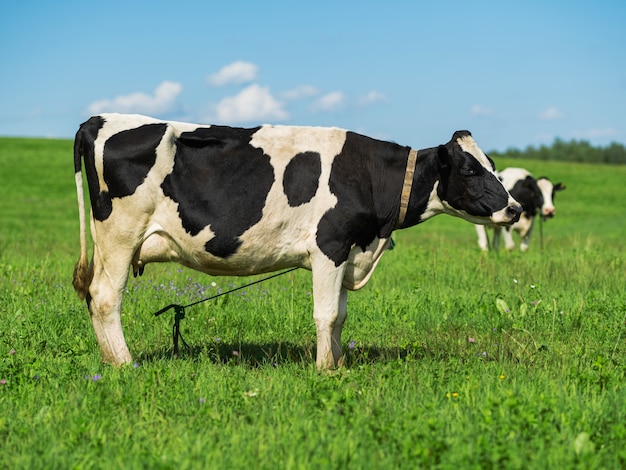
{"type": "Point", "coordinates": [234, 201]}
{"type": "Point", "coordinates": [536, 197]}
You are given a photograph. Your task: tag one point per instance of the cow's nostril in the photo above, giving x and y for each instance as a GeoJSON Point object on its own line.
{"type": "Point", "coordinates": [514, 211]}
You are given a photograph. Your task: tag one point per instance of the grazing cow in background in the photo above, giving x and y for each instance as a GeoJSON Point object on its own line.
{"type": "Point", "coordinates": [234, 201]}
{"type": "Point", "coordinates": [536, 197]}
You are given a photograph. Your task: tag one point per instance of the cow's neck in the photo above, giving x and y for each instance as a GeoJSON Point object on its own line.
{"type": "Point", "coordinates": [424, 203]}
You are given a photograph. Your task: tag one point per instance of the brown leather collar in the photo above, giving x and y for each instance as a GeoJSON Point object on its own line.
{"type": "Point", "coordinates": [406, 187]}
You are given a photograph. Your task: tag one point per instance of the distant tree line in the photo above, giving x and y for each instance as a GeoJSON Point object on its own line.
{"type": "Point", "coordinates": [572, 151]}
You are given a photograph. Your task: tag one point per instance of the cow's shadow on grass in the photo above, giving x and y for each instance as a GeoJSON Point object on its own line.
{"type": "Point", "coordinates": [256, 355]}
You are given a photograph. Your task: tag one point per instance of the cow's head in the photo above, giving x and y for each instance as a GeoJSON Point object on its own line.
{"type": "Point", "coordinates": [529, 195]}
{"type": "Point", "coordinates": [548, 190]}
{"type": "Point", "coordinates": [469, 187]}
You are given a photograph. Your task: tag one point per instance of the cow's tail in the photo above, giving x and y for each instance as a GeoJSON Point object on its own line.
{"type": "Point", "coordinates": [83, 271]}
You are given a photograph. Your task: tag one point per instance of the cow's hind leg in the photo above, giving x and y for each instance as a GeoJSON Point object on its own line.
{"type": "Point", "coordinates": [329, 311]}
{"type": "Point", "coordinates": [105, 302]}
{"type": "Point", "coordinates": [338, 327]}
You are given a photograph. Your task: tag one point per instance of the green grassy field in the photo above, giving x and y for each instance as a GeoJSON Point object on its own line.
{"type": "Point", "coordinates": [455, 358]}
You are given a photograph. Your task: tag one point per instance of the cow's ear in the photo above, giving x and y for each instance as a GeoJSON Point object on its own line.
{"type": "Point", "coordinates": [559, 187]}
{"type": "Point", "coordinates": [444, 156]}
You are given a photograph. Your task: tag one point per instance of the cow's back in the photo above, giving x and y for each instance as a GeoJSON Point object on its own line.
{"type": "Point", "coordinates": [510, 176]}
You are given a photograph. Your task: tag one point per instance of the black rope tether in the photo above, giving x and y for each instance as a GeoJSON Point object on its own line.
{"type": "Point", "coordinates": [179, 310]}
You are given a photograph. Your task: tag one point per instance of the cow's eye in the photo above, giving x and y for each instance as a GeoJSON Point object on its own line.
{"type": "Point", "coordinates": [468, 172]}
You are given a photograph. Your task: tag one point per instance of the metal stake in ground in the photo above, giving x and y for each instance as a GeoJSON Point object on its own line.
{"type": "Point", "coordinates": [179, 310]}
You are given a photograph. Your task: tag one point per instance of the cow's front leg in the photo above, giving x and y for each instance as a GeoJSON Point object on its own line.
{"type": "Point", "coordinates": [329, 311]}
{"type": "Point", "coordinates": [509, 244]}
{"type": "Point", "coordinates": [525, 242]}
{"type": "Point", "coordinates": [338, 327]}
{"type": "Point", "coordinates": [526, 237]}
{"type": "Point", "coordinates": [497, 234]}
{"type": "Point", "coordinates": [483, 241]}
{"type": "Point", "coordinates": [105, 303]}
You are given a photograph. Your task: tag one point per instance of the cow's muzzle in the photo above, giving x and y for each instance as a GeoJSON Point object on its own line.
{"type": "Point", "coordinates": [548, 213]}
{"type": "Point", "coordinates": [514, 211]}
{"type": "Point", "coordinates": [507, 216]}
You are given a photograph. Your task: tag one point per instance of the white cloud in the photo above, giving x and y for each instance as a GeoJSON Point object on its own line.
{"type": "Point", "coordinates": [303, 91]}
{"type": "Point", "coordinates": [478, 110]}
{"type": "Point", "coordinates": [371, 98]}
{"type": "Point", "coordinates": [162, 101]}
{"type": "Point", "coordinates": [253, 103]}
{"type": "Point", "coordinates": [330, 102]}
{"type": "Point", "coordinates": [237, 72]}
{"type": "Point", "coordinates": [551, 113]}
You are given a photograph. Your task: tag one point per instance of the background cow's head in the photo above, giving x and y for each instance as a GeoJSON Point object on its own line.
{"type": "Point", "coordinates": [529, 195]}
{"type": "Point", "coordinates": [548, 190]}
{"type": "Point", "coordinates": [469, 187]}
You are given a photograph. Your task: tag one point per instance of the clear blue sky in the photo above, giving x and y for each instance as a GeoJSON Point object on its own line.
{"type": "Point", "coordinates": [513, 73]}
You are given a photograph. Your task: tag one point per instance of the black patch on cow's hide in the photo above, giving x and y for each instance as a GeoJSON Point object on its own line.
{"type": "Point", "coordinates": [220, 180]}
{"type": "Point", "coordinates": [128, 157]}
{"type": "Point", "coordinates": [366, 177]}
{"type": "Point", "coordinates": [301, 178]}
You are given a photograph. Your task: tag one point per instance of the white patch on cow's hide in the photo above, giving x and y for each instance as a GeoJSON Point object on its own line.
{"type": "Point", "coordinates": [164, 163]}
{"type": "Point", "coordinates": [284, 142]}
{"type": "Point", "coordinates": [469, 145]}
{"type": "Point", "coordinates": [546, 187]}
{"type": "Point", "coordinates": [510, 176]}
{"type": "Point", "coordinates": [435, 205]}
{"type": "Point", "coordinates": [98, 146]}
{"type": "Point", "coordinates": [361, 264]}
